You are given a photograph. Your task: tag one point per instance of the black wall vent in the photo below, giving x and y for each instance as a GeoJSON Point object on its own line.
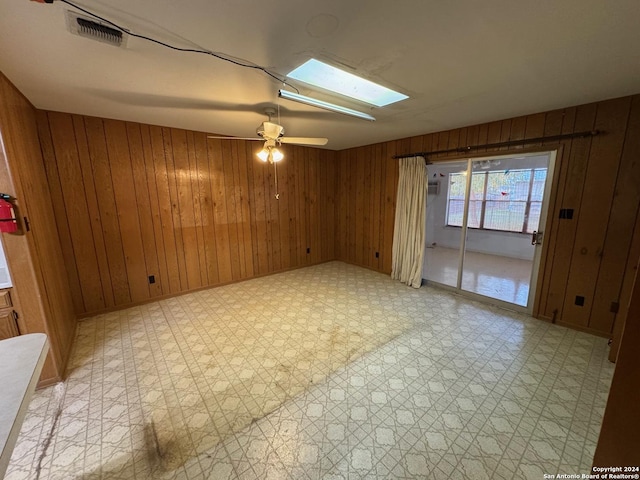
{"type": "Point", "coordinates": [88, 28]}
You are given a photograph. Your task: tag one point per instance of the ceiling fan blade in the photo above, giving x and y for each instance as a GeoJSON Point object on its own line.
{"type": "Point", "coordinates": [272, 130]}
{"type": "Point", "coordinates": [304, 140]}
{"type": "Point", "coordinates": [235, 138]}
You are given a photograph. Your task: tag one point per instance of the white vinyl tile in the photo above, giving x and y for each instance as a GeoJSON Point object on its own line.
{"type": "Point", "coordinates": [326, 372]}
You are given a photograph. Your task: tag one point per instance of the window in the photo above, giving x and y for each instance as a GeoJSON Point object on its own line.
{"type": "Point", "coordinates": [505, 200]}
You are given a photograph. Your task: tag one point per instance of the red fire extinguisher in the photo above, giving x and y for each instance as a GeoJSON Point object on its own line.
{"type": "Point", "coordinates": [8, 222]}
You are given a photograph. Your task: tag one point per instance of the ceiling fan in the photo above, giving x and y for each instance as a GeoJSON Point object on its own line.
{"type": "Point", "coordinates": [273, 135]}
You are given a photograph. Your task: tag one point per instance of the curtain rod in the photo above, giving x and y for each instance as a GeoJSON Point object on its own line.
{"type": "Point", "coordinates": [524, 141]}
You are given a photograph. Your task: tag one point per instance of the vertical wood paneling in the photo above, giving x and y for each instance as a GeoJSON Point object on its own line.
{"type": "Point", "coordinates": [223, 251]}
{"type": "Point", "coordinates": [185, 200]}
{"type": "Point", "coordinates": [360, 193]}
{"type": "Point", "coordinates": [76, 210]}
{"type": "Point", "coordinates": [282, 205]}
{"type": "Point", "coordinates": [261, 244]}
{"type": "Point", "coordinates": [454, 139]}
{"type": "Point", "coordinates": [94, 212]}
{"type": "Point", "coordinates": [128, 217]}
{"type": "Point", "coordinates": [599, 186]}
{"type": "Point", "coordinates": [241, 196]}
{"type": "Point", "coordinates": [324, 196]}
{"type": "Point", "coordinates": [172, 283]}
{"type": "Point", "coordinates": [246, 165]}
{"type": "Point", "coordinates": [206, 209]}
{"type": "Point", "coordinates": [553, 230]}
{"type": "Point", "coordinates": [343, 187]}
{"type": "Point", "coordinates": [197, 198]}
{"type": "Point", "coordinates": [518, 128]}
{"type": "Point", "coordinates": [505, 132]}
{"type": "Point", "coordinates": [36, 260]}
{"type": "Point", "coordinates": [367, 257]}
{"type": "Point", "coordinates": [535, 126]}
{"type": "Point", "coordinates": [331, 212]}
{"type": "Point", "coordinates": [630, 275]}
{"type": "Point", "coordinates": [53, 179]}
{"type": "Point", "coordinates": [620, 228]}
{"type": "Point", "coordinates": [482, 137]}
{"type": "Point", "coordinates": [618, 442]}
{"type": "Point", "coordinates": [352, 204]}
{"type": "Point", "coordinates": [494, 130]}
{"type": "Point", "coordinates": [105, 195]}
{"type": "Point", "coordinates": [188, 210]}
{"type": "Point", "coordinates": [300, 194]}
{"type": "Point", "coordinates": [374, 220]}
{"type": "Point", "coordinates": [313, 207]}
{"type": "Point", "coordinates": [154, 204]}
{"type": "Point", "coordinates": [172, 173]}
{"type": "Point", "coordinates": [295, 246]}
{"type": "Point", "coordinates": [570, 192]}
{"type": "Point", "coordinates": [390, 188]}
{"type": "Point", "coordinates": [143, 202]}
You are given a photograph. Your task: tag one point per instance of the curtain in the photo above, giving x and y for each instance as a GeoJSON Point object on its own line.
{"type": "Point", "coordinates": [408, 234]}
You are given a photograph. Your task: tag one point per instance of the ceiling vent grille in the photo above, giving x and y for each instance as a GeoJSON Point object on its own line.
{"type": "Point", "coordinates": [89, 28]}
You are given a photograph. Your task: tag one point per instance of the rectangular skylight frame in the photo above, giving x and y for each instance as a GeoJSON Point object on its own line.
{"type": "Point", "coordinates": [321, 75]}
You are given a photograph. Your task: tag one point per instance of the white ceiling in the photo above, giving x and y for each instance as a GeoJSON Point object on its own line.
{"type": "Point", "coordinates": [462, 62]}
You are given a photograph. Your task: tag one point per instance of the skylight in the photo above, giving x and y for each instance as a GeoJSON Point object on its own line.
{"type": "Point", "coordinates": [319, 74]}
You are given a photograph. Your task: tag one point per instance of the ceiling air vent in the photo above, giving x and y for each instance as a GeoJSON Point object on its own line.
{"type": "Point", "coordinates": [89, 28]}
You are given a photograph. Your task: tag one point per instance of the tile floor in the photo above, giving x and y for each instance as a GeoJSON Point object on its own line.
{"type": "Point", "coordinates": [404, 384]}
{"type": "Point", "coordinates": [493, 276]}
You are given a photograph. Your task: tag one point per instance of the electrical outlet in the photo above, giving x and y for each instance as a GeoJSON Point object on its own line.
{"type": "Point", "coordinates": [377, 254]}
{"type": "Point", "coordinates": [566, 213]}
{"type": "Point", "coordinates": [152, 279]}
{"type": "Point", "coordinates": [308, 250]}
{"type": "Point", "coordinates": [580, 300]}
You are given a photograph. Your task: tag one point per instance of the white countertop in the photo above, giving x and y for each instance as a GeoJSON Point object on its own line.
{"type": "Point", "coordinates": [21, 361]}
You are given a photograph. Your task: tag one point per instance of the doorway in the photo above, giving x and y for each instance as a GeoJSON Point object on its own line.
{"type": "Point", "coordinates": [484, 229]}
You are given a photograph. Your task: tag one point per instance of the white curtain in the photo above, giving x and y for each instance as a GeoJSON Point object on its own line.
{"type": "Point", "coordinates": [408, 234]}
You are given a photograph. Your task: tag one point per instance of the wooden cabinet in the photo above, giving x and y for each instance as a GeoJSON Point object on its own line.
{"type": "Point", "coordinates": [8, 325]}
{"type": "Point", "coordinates": [5, 299]}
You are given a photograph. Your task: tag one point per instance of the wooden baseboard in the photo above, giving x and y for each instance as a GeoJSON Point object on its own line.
{"type": "Point", "coordinates": [47, 382]}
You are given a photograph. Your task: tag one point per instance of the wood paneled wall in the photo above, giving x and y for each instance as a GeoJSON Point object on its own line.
{"type": "Point", "coordinates": [41, 291]}
{"type": "Point", "coordinates": [594, 255]}
{"type": "Point", "coordinates": [135, 200]}
{"type": "Point", "coordinates": [619, 442]}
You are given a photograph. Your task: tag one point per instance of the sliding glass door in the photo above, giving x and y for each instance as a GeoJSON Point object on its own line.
{"type": "Point", "coordinates": [483, 225]}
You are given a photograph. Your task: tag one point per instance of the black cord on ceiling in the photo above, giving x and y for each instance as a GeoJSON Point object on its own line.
{"type": "Point", "coordinates": [180, 49]}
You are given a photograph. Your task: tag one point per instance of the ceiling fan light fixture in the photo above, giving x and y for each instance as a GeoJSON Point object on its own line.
{"type": "Point", "coordinates": [276, 155]}
{"type": "Point", "coordinates": [263, 155]}
{"type": "Point", "coordinates": [314, 102]}
{"type": "Point", "coordinates": [270, 154]}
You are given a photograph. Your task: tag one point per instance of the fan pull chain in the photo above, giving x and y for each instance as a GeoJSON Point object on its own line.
{"type": "Point", "coordinates": [275, 173]}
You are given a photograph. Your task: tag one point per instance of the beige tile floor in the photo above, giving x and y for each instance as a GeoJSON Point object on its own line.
{"type": "Point", "coordinates": [493, 276]}
{"type": "Point", "coordinates": [452, 389]}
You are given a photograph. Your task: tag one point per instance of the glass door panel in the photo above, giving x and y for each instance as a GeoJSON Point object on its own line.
{"type": "Point", "coordinates": [505, 208]}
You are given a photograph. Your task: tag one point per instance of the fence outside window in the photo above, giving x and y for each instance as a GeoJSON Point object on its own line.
{"type": "Point", "coordinates": [503, 200]}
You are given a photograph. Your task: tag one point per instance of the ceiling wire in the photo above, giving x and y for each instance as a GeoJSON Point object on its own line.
{"type": "Point", "coordinates": [219, 56]}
